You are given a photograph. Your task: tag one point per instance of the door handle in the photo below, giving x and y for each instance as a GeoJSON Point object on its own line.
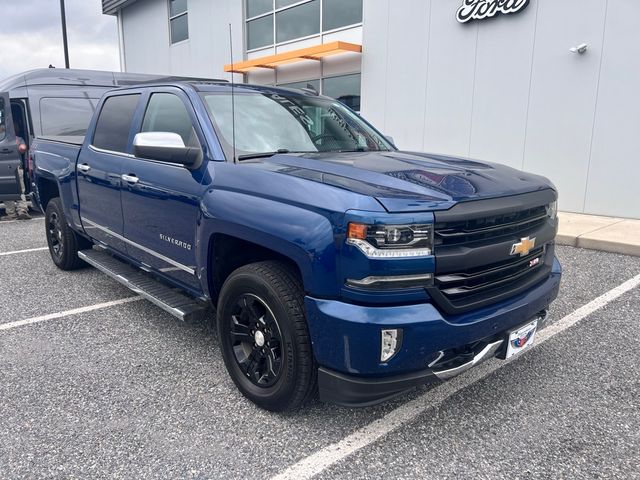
{"type": "Point", "coordinates": [5, 151]}
{"type": "Point", "coordinates": [130, 179]}
{"type": "Point", "coordinates": [84, 167]}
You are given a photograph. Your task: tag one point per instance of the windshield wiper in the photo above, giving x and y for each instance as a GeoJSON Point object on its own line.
{"type": "Point", "coordinates": [249, 156]}
{"type": "Point", "coordinates": [357, 149]}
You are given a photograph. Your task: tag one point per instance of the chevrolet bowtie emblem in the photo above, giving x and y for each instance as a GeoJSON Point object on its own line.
{"type": "Point", "coordinates": [523, 247]}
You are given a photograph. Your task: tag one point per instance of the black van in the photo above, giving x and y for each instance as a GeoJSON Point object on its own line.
{"type": "Point", "coordinates": [51, 102]}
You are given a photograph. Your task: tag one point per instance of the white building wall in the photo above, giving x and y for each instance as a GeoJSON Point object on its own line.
{"type": "Point", "coordinates": [508, 90]}
{"type": "Point", "coordinates": [147, 49]}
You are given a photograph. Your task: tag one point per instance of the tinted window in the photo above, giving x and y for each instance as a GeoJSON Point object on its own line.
{"type": "Point", "coordinates": [284, 3]}
{"type": "Point", "coordinates": [345, 88]}
{"type": "Point", "coordinates": [66, 117]}
{"type": "Point", "coordinates": [176, 7]}
{"type": "Point", "coordinates": [167, 113]}
{"type": "Point", "coordinates": [338, 13]}
{"type": "Point", "coordinates": [179, 28]}
{"type": "Point", "coordinates": [114, 123]}
{"type": "Point", "coordinates": [260, 32]}
{"type": "Point", "coordinates": [3, 126]}
{"type": "Point", "coordinates": [257, 7]}
{"type": "Point", "coordinates": [298, 21]}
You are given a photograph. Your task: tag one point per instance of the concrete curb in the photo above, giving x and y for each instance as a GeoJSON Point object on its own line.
{"type": "Point", "coordinates": [607, 234]}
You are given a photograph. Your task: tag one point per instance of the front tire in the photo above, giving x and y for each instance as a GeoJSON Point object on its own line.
{"type": "Point", "coordinates": [63, 242]}
{"type": "Point", "coordinates": [264, 336]}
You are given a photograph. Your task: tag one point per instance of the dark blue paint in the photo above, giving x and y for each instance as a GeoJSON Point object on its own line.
{"type": "Point", "coordinates": [298, 205]}
{"type": "Point", "coordinates": [345, 335]}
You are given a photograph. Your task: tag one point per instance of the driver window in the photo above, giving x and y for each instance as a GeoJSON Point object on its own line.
{"type": "Point", "coordinates": [167, 113]}
{"type": "Point", "coordinates": [3, 127]}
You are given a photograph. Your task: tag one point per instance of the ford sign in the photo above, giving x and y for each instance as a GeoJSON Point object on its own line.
{"type": "Point", "coordinates": [481, 9]}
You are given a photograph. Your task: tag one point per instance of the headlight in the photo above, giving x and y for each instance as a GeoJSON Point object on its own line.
{"type": "Point", "coordinates": [391, 241]}
{"type": "Point", "coordinates": [552, 210]}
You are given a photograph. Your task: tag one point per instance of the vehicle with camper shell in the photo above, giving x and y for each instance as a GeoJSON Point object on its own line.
{"type": "Point", "coordinates": [337, 263]}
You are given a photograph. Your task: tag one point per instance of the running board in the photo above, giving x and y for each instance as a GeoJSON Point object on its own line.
{"type": "Point", "coordinates": [177, 304]}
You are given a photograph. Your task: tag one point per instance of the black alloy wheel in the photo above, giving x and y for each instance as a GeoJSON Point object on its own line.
{"type": "Point", "coordinates": [63, 242]}
{"type": "Point", "coordinates": [264, 336]}
{"type": "Point", "coordinates": [257, 340]}
{"type": "Point", "coordinates": [56, 246]}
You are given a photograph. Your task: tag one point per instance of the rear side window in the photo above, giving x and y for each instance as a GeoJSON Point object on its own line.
{"type": "Point", "coordinates": [167, 113]}
{"type": "Point", "coordinates": [66, 117]}
{"type": "Point", "coordinates": [114, 123]}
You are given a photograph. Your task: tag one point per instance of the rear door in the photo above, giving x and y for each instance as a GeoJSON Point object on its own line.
{"type": "Point", "coordinates": [9, 156]}
{"type": "Point", "coordinates": [99, 170]}
{"type": "Point", "coordinates": [160, 201]}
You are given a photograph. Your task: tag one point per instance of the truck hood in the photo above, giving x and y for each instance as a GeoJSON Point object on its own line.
{"type": "Point", "coordinates": [408, 181]}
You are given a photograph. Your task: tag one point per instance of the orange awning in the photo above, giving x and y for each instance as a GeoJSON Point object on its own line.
{"type": "Point", "coordinates": [310, 53]}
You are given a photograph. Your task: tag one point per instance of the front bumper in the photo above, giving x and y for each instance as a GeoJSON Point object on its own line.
{"type": "Point", "coordinates": [346, 340]}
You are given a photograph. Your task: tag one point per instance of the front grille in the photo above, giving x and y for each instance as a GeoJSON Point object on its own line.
{"type": "Point", "coordinates": [456, 292]}
{"type": "Point", "coordinates": [473, 243]}
{"type": "Point", "coordinates": [492, 227]}
{"type": "Point", "coordinates": [480, 281]}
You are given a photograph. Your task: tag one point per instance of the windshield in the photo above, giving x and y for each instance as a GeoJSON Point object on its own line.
{"type": "Point", "coordinates": [270, 121]}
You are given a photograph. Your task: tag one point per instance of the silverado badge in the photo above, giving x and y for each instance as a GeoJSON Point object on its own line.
{"type": "Point", "coordinates": [523, 247]}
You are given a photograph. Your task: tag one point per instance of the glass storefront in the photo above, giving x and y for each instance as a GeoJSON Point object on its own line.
{"type": "Point", "coordinates": [271, 22]}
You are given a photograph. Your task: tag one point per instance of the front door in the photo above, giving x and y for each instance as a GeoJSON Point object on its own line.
{"type": "Point", "coordinates": [99, 171]}
{"type": "Point", "coordinates": [160, 201]}
{"type": "Point", "coordinates": [9, 156]}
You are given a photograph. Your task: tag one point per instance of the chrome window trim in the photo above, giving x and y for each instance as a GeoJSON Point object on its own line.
{"type": "Point", "coordinates": [137, 245]}
{"type": "Point", "coordinates": [110, 152]}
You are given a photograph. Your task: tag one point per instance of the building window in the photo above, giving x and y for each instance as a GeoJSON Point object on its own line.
{"type": "Point", "coordinates": [338, 13]}
{"type": "Point", "coordinates": [297, 22]}
{"type": "Point", "coordinates": [306, 84]}
{"type": "Point", "coordinates": [272, 22]}
{"type": "Point", "coordinates": [178, 20]}
{"type": "Point", "coordinates": [344, 88]}
{"type": "Point", "coordinates": [260, 32]}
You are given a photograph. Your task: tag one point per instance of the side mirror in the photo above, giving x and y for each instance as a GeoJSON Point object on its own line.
{"type": "Point", "coordinates": [165, 147]}
{"type": "Point", "coordinates": [390, 140]}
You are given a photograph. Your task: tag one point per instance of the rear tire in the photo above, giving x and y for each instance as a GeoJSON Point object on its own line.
{"type": "Point", "coordinates": [63, 242]}
{"type": "Point", "coordinates": [264, 336]}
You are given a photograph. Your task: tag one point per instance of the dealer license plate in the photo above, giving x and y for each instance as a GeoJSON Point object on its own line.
{"type": "Point", "coordinates": [522, 338]}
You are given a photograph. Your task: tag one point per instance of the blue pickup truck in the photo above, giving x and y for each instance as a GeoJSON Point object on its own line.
{"type": "Point", "coordinates": [337, 264]}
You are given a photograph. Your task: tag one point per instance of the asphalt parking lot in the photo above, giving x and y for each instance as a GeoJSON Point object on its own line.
{"type": "Point", "coordinates": [127, 391]}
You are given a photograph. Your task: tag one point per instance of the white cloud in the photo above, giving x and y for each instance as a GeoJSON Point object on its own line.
{"type": "Point", "coordinates": [31, 36]}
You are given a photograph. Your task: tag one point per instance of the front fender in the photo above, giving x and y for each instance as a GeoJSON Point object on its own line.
{"type": "Point", "coordinates": [302, 235]}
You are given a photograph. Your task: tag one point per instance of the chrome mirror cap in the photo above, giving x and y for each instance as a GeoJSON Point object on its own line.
{"type": "Point", "coordinates": [158, 139]}
{"type": "Point", "coordinates": [166, 147]}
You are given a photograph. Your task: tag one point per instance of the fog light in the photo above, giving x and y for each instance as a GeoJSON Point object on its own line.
{"type": "Point", "coordinates": [391, 342]}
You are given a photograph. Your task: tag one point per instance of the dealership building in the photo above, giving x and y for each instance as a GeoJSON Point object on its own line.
{"type": "Point", "coordinates": [546, 86]}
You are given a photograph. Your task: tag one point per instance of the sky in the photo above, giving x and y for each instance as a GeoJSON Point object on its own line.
{"type": "Point", "coordinates": [31, 36]}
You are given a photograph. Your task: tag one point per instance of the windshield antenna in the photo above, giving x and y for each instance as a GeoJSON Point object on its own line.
{"type": "Point", "coordinates": [233, 100]}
